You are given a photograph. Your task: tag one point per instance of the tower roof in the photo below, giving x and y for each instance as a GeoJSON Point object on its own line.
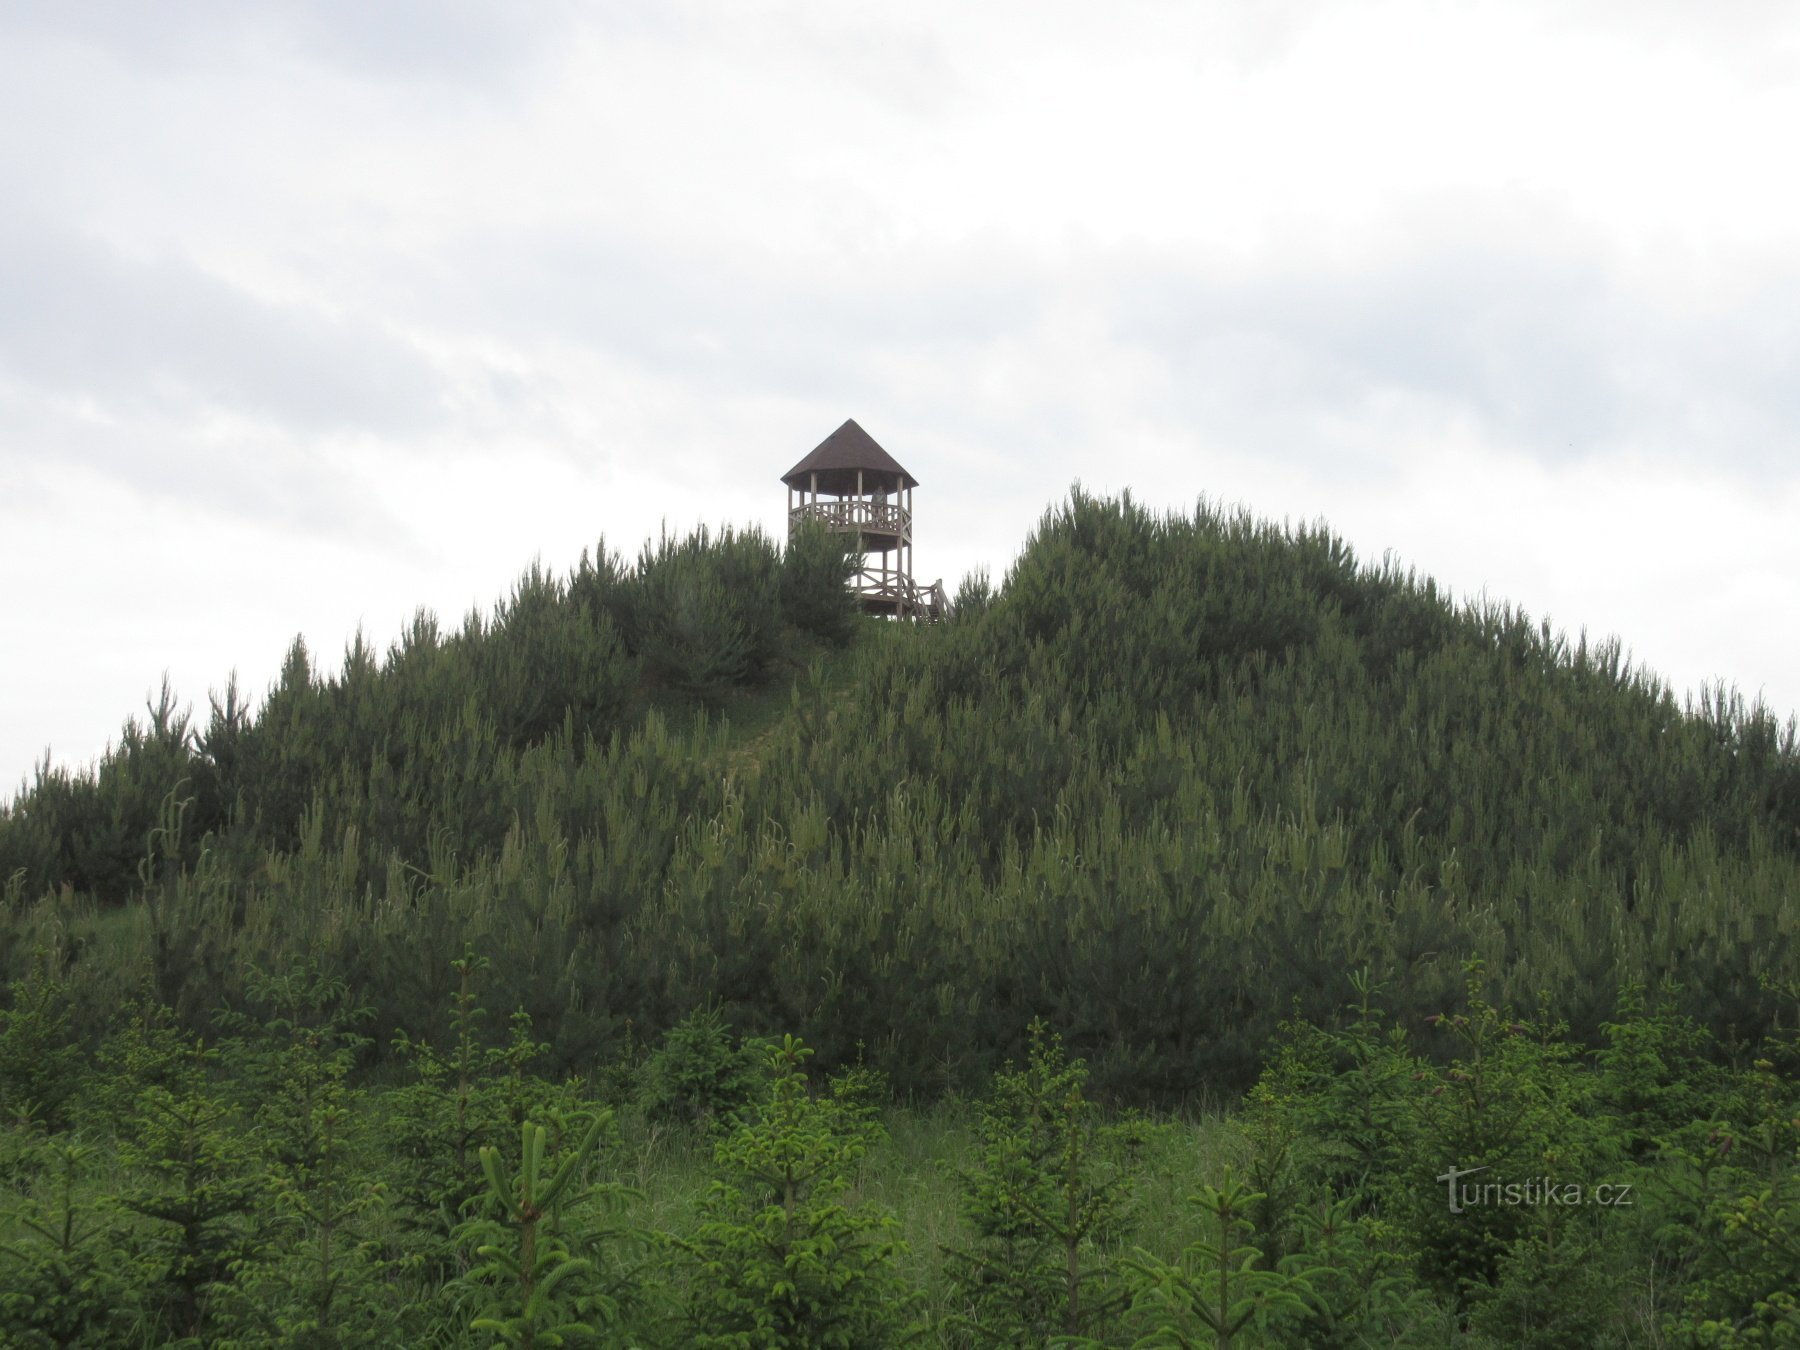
{"type": "Point", "coordinates": [837, 458]}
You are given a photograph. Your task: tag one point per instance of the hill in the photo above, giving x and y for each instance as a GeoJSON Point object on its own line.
{"type": "Point", "coordinates": [1178, 779]}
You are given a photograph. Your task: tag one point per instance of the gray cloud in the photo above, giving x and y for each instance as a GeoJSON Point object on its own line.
{"type": "Point", "coordinates": [165, 339]}
{"type": "Point", "coordinates": [1508, 339]}
{"type": "Point", "coordinates": [1533, 338]}
{"type": "Point", "coordinates": [455, 39]}
{"type": "Point", "coordinates": [260, 476]}
{"type": "Point", "coordinates": [176, 385]}
{"type": "Point", "coordinates": [470, 42]}
{"type": "Point", "coordinates": [1530, 336]}
{"type": "Point", "coordinates": [774, 324]}
{"type": "Point", "coordinates": [1758, 41]}
{"type": "Point", "coordinates": [1496, 309]}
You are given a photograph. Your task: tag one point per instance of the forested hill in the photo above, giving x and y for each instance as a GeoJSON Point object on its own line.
{"type": "Point", "coordinates": [1176, 780]}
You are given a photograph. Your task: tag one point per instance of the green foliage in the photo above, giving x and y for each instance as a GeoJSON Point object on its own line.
{"type": "Point", "coordinates": [1338, 1108]}
{"type": "Point", "coordinates": [1219, 1291]}
{"type": "Point", "coordinates": [1657, 1070]}
{"type": "Point", "coordinates": [86, 830]}
{"type": "Point", "coordinates": [1551, 1289]}
{"type": "Point", "coordinates": [816, 599]}
{"type": "Point", "coordinates": [1333, 1124]}
{"type": "Point", "coordinates": [291, 1054]}
{"type": "Point", "coordinates": [782, 1259]}
{"type": "Point", "coordinates": [400, 745]}
{"type": "Point", "coordinates": [476, 1091]}
{"type": "Point", "coordinates": [974, 596]}
{"type": "Point", "coordinates": [1162, 745]}
{"type": "Point", "coordinates": [1185, 786]}
{"type": "Point", "coordinates": [38, 1059]}
{"type": "Point", "coordinates": [1592, 1203]}
{"type": "Point", "coordinates": [531, 1281]}
{"type": "Point", "coordinates": [700, 1075]}
{"type": "Point", "coordinates": [1355, 1281]}
{"type": "Point", "coordinates": [319, 1277]}
{"type": "Point", "coordinates": [552, 660]}
{"type": "Point", "coordinates": [704, 615]}
{"type": "Point", "coordinates": [1048, 1200]}
{"type": "Point", "coordinates": [66, 1279]}
{"type": "Point", "coordinates": [1508, 1104]}
{"type": "Point", "coordinates": [1742, 1209]}
{"type": "Point", "coordinates": [263, 1190]}
{"type": "Point", "coordinates": [195, 1181]}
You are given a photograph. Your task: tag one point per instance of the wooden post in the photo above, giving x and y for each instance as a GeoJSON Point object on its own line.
{"type": "Point", "coordinates": [909, 539]}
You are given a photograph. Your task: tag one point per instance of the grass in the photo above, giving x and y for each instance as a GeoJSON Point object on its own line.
{"type": "Point", "coordinates": [913, 1173]}
{"type": "Point", "coordinates": [826, 677]}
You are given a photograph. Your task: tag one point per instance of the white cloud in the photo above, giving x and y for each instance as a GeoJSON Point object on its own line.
{"type": "Point", "coordinates": [323, 311]}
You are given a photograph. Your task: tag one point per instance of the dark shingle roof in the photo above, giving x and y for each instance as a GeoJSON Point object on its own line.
{"type": "Point", "coordinates": [837, 458]}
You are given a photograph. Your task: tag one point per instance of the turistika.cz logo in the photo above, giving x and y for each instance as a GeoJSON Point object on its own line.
{"type": "Point", "coordinates": [1534, 1191]}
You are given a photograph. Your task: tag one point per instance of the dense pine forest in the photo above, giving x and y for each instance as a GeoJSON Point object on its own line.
{"type": "Point", "coordinates": [677, 957]}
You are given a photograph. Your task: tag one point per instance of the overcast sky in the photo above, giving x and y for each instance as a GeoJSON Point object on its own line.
{"type": "Point", "coordinates": [313, 313]}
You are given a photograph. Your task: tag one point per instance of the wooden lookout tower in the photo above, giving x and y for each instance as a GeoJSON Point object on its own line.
{"type": "Point", "coordinates": [851, 486]}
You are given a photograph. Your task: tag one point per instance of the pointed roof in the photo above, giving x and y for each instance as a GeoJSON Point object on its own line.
{"type": "Point", "coordinates": [837, 458]}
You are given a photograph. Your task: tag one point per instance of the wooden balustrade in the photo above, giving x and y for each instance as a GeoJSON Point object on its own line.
{"type": "Point", "coordinates": [881, 590]}
{"type": "Point", "coordinates": [895, 594]}
{"type": "Point", "coordinates": [855, 513]}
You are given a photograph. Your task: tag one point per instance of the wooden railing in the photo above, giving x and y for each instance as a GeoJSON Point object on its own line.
{"type": "Point", "coordinates": [901, 596]}
{"type": "Point", "coordinates": [855, 513]}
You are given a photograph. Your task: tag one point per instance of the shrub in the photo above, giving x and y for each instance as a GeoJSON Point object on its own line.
{"type": "Point", "coordinates": [38, 1061]}
{"type": "Point", "coordinates": [533, 1290]}
{"type": "Point", "coordinates": [66, 1278]}
{"type": "Point", "coordinates": [816, 598]}
{"type": "Point", "coordinates": [782, 1260]}
{"type": "Point", "coordinates": [700, 1075]}
{"type": "Point", "coordinates": [1050, 1194]}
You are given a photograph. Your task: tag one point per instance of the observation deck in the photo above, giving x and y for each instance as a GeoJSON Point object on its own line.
{"type": "Point", "coordinates": [880, 526]}
{"type": "Point", "coordinates": [855, 489]}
